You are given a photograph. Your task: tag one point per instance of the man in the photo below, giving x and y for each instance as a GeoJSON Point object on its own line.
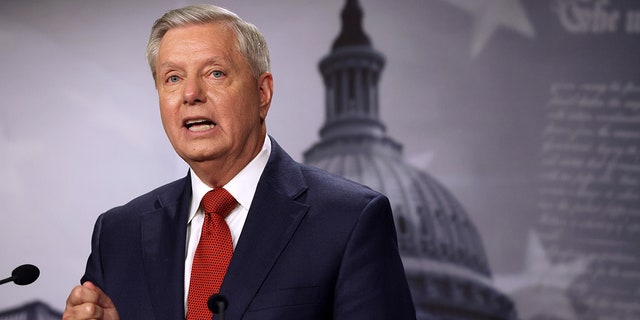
{"type": "Point", "coordinates": [306, 244]}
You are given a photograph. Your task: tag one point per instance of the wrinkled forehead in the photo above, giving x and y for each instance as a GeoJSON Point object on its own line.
{"type": "Point", "coordinates": [195, 38]}
{"type": "Point", "coordinates": [217, 30]}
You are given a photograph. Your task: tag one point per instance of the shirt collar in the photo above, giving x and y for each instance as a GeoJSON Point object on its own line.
{"type": "Point", "coordinates": [242, 187]}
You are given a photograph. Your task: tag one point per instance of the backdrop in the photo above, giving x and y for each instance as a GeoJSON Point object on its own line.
{"type": "Point", "coordinates": [527, 111]}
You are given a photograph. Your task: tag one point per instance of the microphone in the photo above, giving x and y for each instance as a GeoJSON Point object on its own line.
{"type": "Point", "coordinates": [23, 275]}
{"type": "Point", "coordinates": [217, 303]}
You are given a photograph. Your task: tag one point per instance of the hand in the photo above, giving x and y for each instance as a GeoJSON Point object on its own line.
{"type": "Point", "coordinates": [89, 302]}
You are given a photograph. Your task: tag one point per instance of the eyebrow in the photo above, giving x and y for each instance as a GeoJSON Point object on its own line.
{"type": "Point", "coordinates": [210, 61]}
{"type": "Point", "coordinates": [216, 60]}
{"type": "Point", "coordinates": [167, 64]}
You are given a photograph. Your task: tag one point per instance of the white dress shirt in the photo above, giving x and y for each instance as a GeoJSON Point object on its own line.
{"type": "Point", "coordinates": [242, 187]}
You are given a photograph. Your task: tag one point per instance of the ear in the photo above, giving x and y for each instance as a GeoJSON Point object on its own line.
{"type": "Point", "coordinates": [265, 91]}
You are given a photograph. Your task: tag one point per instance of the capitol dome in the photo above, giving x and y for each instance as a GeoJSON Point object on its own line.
{"type": "Point", "coordinates": [441, 249]}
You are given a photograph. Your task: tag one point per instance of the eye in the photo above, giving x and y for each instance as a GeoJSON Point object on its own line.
{"type": "Point", "coordinates": [217, 74]}
{"type": "Point", "coordinates": [173, 79]}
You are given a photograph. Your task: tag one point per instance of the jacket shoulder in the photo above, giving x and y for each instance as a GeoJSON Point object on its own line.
{"type": "Point", "coordinates": [165, 195]}
{"type": "Point", "coordinates": [336, 187]}
{"type": "Point", "coordinates": [317, 176]}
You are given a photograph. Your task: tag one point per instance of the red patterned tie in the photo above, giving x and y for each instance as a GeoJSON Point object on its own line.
{"type": "Point", "coordinates": [212, 255]}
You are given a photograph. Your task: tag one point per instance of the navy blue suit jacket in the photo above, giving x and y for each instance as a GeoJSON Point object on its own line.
{"type": "Point", "coordinates": [314, 246]}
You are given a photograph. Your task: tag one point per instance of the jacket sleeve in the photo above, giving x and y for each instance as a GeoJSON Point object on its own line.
{"type": "Point", "coordinates": [371, 283]}
{"type": "Point", "coordinates": [93, 271]}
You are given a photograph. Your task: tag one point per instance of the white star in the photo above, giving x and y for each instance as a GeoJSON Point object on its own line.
{"type": "Point", "coordinates": [541, 288]}
{"type": "Point", "coordinates": [489, 15]}
{"type": "Point", "coordinates": [540, 271]}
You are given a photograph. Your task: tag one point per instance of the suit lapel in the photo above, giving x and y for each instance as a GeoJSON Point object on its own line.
{"type": "Point", "coordinates": [163, 242]}
{"type": "Point", "coordinates": [272, 220]}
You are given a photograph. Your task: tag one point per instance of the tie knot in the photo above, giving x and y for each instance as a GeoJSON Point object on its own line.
{"type": "Point", "coordinates": [218, 201]}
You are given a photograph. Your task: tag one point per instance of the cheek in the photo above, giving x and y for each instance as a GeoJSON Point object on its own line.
{"type": "Point", "coordinates": [171, 122]}
{"type": "Point", "coordinates": [169, 106]}
{"type": "Point", "coordinates": [248, 115]}
{"type": "Point", "coordinates": [165, 115]}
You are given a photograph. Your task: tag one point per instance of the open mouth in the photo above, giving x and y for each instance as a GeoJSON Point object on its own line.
{"type": "Point", "coordinates": [199, 125]}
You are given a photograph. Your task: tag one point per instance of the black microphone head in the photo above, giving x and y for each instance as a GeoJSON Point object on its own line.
{"type": "Point", "coordinates": [25, 274]}
{"type": "Point", "coordinates": [217, 303]}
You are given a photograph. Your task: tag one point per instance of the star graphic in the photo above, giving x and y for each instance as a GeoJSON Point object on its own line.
{"type": "Point", "coordinates": [540, 289]}
{"type": "Point", "coordinates": [540, 271]}
{"type": "Point", "coordinates": [489, 15]}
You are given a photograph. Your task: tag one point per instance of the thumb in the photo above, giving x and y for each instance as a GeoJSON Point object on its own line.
{"type": "Point", "coordinates": [103, 299]}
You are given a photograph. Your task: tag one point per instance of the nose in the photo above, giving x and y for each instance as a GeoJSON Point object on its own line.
{"type": "Point", "coordinates": [193, 93]}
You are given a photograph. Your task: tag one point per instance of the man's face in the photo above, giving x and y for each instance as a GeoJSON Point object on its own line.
{"type": "Point", "coordinates": [211, 106]}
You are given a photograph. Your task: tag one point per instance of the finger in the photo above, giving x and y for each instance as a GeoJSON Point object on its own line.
{"type": "Point", "coordinates": [102, 299]}
{"type": "Point", "coordinates": [86, 301]}
{"type": "Point", "coordinates": [83, 311]}
{"type": "Point", "coordinates": [80, 295]}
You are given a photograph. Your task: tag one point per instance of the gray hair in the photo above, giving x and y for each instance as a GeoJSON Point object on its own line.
{"type": "Point", "coordinates": [251, 43]}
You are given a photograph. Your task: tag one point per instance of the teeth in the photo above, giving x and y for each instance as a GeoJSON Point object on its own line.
{"type": "Point", "coordinates": [199, 125]}
{"type": "Point", "coordinates": [192, 122]}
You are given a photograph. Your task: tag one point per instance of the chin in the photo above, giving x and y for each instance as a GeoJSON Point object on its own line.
{"type": "Point", "coordinates": [199, 151]}
{"type": "Point", "coordinates": [193, 156]}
